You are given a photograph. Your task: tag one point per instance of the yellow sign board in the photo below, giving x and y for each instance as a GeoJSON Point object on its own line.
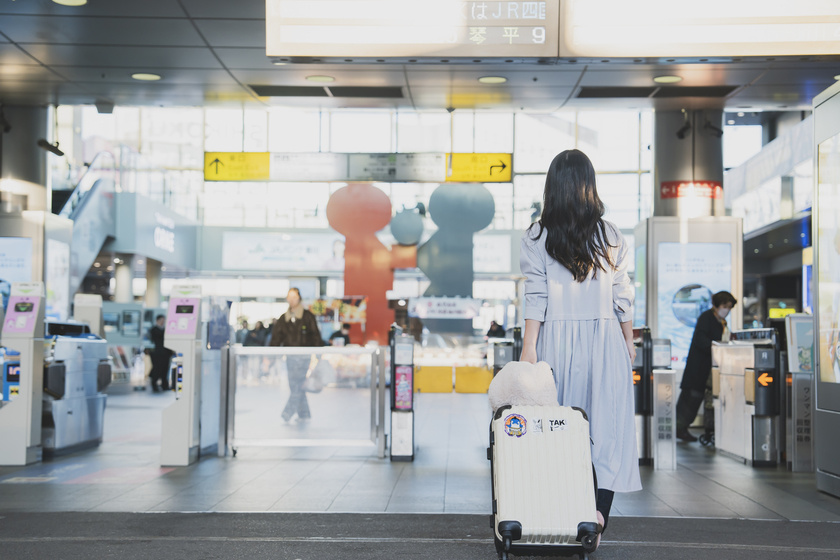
{"type": "Point", "coordinates": [237, 166]}
{"type": "Point", "coordinates": [479, 168]}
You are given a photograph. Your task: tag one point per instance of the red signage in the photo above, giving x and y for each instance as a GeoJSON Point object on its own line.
{"type": "Point", "coordinates": [689, 189]}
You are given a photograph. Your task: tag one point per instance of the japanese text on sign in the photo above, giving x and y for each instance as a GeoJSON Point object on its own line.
{"type": "Point", "coordinates": [398, 28]}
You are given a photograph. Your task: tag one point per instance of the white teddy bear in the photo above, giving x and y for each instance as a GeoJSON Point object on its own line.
{"type": "Point", "coordinates": [521, 383]}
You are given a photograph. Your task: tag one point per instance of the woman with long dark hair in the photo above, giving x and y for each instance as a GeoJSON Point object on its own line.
{"type": "Point", "coordinates": [578, 317]}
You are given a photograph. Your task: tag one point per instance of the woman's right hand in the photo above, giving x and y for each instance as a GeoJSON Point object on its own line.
{"type": "Point", "coordinates": [529, 355]}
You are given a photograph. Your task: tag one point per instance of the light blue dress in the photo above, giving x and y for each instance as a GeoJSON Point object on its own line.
{"type": "Point", "coordinates": [581, 339]}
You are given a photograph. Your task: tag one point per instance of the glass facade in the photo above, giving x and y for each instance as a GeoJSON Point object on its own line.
{"type": "Point", "coordinates": [160, 151]}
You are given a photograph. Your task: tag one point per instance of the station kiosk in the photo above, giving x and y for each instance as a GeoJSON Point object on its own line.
{"type": "Point", "coordinates": [180, 438]}
{"type": "Point", "coordinates": [20, 414]}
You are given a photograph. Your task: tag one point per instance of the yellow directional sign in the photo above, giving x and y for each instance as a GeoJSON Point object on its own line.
{"type": "Point", "coordinates": [479, 168]}
{"type": "Point", "coordinates": [236, 166]}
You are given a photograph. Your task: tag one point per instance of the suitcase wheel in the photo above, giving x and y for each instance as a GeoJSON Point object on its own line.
{"type": "Point", "coordinates": [589, 544]}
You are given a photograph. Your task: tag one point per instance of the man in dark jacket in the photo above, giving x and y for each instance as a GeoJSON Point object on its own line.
{"type": "Point", "coordinates": [160, 355]}
{"type": "Point", "coordinates": [296, 327]}
{"type": "Point", "coordinates": [698, 365]}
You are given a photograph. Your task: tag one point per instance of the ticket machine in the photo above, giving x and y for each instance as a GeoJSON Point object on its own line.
{"type": "Point", "coordinates": [20, 415]}
{"type": "Point", "coordinates": [180, 439]}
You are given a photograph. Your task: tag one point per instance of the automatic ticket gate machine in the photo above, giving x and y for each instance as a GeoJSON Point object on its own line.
{"type": "Point", "coordinates": [402, 395]}
{"type": "Point", "coordinates": [654, 394]}
{"type": "Point", "coordinates": [747, 387]}
{"type": "Point", "coordinates": [643, 391]}
{"type": "Point", "coordinates": [77, 371]}
{"type": "Point", "coordinates": [180, 438]}
{"type": "Point", "coordinates": [20, 415]}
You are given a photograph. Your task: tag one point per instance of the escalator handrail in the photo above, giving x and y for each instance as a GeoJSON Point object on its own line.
{"type": "Point", "coordinates": [86, 182]}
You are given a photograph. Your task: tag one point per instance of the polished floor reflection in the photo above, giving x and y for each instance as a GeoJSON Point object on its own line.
{"type": "Point", "coordinates": [450, 473]}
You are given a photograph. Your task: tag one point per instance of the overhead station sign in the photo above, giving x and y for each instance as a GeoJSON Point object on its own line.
{"type": "Point", "coordinates": [389, 168]}
{"type": "Point", "coordinates": [665, 28]}
{"type": "Point", "coordinates": [411, 28]}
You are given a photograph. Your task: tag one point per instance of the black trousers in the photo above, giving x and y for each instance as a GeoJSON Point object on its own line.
{"type": "Point", "coordinates": [159, 375]}
{"type": "Point", "coordinates": [603, 503]}
{"type": "Point", "coordinates": [687, 406]}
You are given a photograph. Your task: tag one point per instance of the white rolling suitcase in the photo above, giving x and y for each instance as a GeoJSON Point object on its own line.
{"type": "Point", "coordinates": [544, 484]}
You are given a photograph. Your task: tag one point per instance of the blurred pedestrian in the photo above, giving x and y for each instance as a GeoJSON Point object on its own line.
{"type": "Point", "coordinates": [296, 327]}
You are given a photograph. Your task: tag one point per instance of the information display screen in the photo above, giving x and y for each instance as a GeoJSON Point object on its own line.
{"type": "Point", "coordinates": [408, 28]}
{"type": "Point", "coordinates": [24, 306]}
{"type": "Point", "coordinates": [13, 373]}
{"type": "Point", "coordinates": [184, 309]}
{"type": "Point", "coordinates": [828, 275]}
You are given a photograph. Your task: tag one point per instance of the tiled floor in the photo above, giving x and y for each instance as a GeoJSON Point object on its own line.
{"type": "Point", "coordinates": [449, 475]}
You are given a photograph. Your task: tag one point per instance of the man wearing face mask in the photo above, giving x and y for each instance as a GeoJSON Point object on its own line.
{"type": "Point", "coordinates": [711, 325]}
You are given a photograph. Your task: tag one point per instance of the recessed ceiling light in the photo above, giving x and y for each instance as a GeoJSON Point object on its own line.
{"type": "Point", "coordinates": [837, 77]}
{"type": "Point", "coordinates": [144, 77]}
{"type": "Point", "coordinates": [730, 121]}
{"type": "Point", "coordinates": [71, 2]}
{"type": "Point", "coordinates": [322, 79]}
{"type": "Point", "coordinates": [492, 79]}
{"type": "Point", "coordinates": [667, 79]}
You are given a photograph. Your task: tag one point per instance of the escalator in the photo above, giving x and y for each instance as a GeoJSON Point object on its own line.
{"type": "Point", "coordinates": [92, 208]}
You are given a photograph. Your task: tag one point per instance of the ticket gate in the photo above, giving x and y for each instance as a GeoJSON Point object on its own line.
{"type": "Point", "coordinates": [20, 415]}
{"type": "Point", "coordinates": [747, 387]}
{"type": "Point", "coordinates": [77, 371]}
{"type": "Point", "coordinates": [643, 391]}
{"type": "Point", "coordinates": [653, 398]}
{"type": "Point", "coordinates": [402, 395]}
{"type": "Point", "coordinates": [181, 433]}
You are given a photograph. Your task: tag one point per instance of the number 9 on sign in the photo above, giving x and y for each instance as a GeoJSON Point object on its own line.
{"type": "Point", "coordinates": [538, 34]}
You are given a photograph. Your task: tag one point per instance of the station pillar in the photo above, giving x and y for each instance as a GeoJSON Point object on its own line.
{"type": "Point", "coordinates": [153, 274]}
{"type": "Point", "coordinates": [688, 163]}
{"type": "Point", "coordinates": [124, 278]}
{"type": "Point", "coordinates": [20, 156]}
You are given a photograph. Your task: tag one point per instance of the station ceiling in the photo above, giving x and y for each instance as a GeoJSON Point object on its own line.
{"type": "Point", "coordinates": [212, 53]}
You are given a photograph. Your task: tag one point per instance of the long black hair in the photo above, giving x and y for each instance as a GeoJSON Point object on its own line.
{"type": "Point", "coordinates": [573, 216]}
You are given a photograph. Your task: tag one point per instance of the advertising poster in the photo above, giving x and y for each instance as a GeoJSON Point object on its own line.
{"type": "Point", "coordinates": [402, 387]}
{"type": "Point", "coordinates": [289, 252]}
{"type": "Point", "coordinates": [15, 264]}
{"type": "Point", "coordinates": [800, 341]}
{"type": "Point", "coordinates": [688, 275]}
{"type": "Point", "coordinates": [828, 245]}
{"type": "Point", "coordinates": [349, 309]}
